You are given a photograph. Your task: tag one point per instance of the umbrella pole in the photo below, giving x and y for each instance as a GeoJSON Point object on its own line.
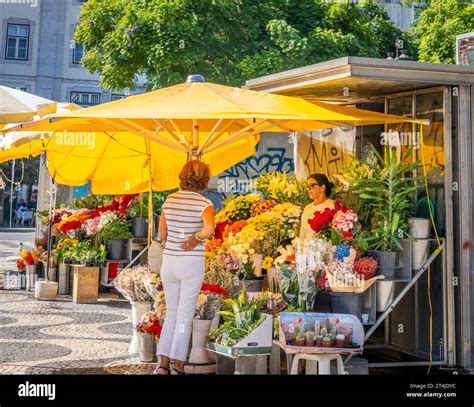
{"type": "Point", "coordinates": [52, 199]}
{"type": "Point", "coordinates": [150, 195]}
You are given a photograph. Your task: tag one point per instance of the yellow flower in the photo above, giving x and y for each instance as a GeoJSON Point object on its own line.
{"type": "Point", "coordinates": [267, 263]}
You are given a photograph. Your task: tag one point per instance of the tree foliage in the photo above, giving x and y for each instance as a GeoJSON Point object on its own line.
{"type": "Point", "coordinates": [437, 27]}
{"type": "Point", "coordinates": [227, 41]}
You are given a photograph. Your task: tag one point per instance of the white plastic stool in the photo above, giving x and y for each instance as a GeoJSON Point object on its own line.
{"type": "Point", "coordinates": [318, 363]}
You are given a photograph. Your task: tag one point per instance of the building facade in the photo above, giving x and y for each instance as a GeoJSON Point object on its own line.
{"type": "Point", "coordinates": [39, 55]}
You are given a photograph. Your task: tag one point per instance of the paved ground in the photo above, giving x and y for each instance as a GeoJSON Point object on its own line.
{"type": "Point", "coordinates": [65, 338]}
{"type": "Point", "coordinates": [61, 337]}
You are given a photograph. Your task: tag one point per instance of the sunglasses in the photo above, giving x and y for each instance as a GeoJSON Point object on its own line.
{"type": "Point", "coordinates": [312, 186]}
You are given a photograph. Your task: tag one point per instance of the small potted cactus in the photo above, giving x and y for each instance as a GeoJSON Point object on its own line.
{"type": "Point", "coordinates": [310, 338]}
{"type": "Point", "coordinates": [327, 342]}
{"type": "Point", "coordinates": [318, 340]}
{"type": "Point", "coordinates": [300, 339]}
{"type": "Point", "coordinates": [340, 340]}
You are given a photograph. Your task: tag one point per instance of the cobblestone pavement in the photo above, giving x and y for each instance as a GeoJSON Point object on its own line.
{"type": "Point", "coordinates": [61, 337]}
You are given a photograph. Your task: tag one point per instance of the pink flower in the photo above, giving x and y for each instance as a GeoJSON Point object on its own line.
{"type": "Point", "coordinates": [344, 221]}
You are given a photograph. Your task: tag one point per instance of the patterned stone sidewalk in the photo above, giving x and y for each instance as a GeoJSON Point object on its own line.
{"type": "Point", "coordinates": [61, 337]}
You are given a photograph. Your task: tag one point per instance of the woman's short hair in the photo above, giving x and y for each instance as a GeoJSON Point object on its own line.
{"type": "Point", "coordinates": [194, 176]}
{"type": "Point", "coordinates": [322, 179]}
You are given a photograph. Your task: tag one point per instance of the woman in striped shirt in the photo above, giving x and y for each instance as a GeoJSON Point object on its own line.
{"type": "Point", "coordinates": [187, 220]}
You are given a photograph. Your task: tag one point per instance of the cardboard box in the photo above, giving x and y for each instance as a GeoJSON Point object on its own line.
{"type": "Point", "coordinates": [258, 342]}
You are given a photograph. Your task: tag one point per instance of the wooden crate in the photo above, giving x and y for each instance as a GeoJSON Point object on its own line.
{"type": "Point", "coordinates": [85, 288]}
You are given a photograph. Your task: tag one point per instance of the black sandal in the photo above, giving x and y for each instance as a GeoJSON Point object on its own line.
{"type": "Point", "coordinates": [164, 368]}
{"type": "Point", "coordinates": [178, 371]}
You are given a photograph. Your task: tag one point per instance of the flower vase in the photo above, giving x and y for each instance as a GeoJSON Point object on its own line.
{"type": "Point", "coordinates": [201, 329]}
{"type": "Point", "coordinates": [138, 309]}
{"type": "Point", "coordinates": [257, 261]}
{"type": "Point", "coordinates": [30, 277]}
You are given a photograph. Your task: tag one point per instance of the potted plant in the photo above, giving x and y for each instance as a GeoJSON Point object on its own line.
{"type": "Point", "coordinates": [310, 338]}
{"type": "Point", "coordinates": [387, 187]}
{"type": "Point", "coordinates": [137, 212]}
{"type": "Point", "coordinates": [115, 235]}
{"type": "Point", "coordinates": [88, 258]}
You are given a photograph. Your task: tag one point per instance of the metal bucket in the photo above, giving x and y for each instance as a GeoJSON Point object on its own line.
{"type": "Point", "coordinates": [115, 249]}
{"type": "Point", "coordinates": [140, 227]}
{"type": "Point", "coordinates": [420, 228]}
{"type": "Point", "coordinates": [30, 277]}
{"type": "Point", "coordinates": [63, 279]}
{"type": "Point", "coordinates": [386, 293]}
{"type": "Point", "coordinates": [146, 347]}
{"type": "Point", "coordinates": [53, 274]}
{"type": "Point", "coordinates": [421, 249]}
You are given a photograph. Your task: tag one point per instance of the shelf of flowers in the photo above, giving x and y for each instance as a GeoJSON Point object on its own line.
{"type": "Point", "coordinates": [103, 232]}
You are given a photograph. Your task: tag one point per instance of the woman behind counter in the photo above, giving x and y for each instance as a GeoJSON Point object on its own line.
{"type": "Point", "coordinates": [319, 189]}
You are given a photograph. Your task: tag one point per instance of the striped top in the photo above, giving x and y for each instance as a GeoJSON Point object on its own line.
{"type": "Point", "coordinates": [183, 210]}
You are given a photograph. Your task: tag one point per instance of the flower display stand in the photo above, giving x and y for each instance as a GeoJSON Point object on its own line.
{"type": "Point", "coordinates": [85, 288]}
{"type": "Point", "coordinates": [318, 359]}
{"type": "Point", "coordinates": [138, 309]}
{"type": "Point", "coordinates": [251, 353]}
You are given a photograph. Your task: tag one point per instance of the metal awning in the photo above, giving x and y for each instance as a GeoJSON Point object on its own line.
{"type": "Point", "coordinates": [353, 79]}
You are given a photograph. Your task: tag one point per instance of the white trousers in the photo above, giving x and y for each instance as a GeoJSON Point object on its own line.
{"type": "Point", "coordinates": [182, 278]}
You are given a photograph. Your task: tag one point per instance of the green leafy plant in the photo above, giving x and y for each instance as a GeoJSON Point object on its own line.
{"type": "Point", "coordinates": [116, 229]}
{"type": "Point", "coordinates": [387, 187]}
{"type": "Point", "coordinates": [85, 252]}
{"type": "Point", "coordinates": [241, 316]}
{"type": "Point", "coordinates": [92, 201]}
{"type": "Point", "coordinates": [139, 206]}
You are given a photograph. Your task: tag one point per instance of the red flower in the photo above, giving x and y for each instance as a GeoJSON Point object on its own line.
{"type": "Point", "coordinates": [20, 264]}
{"type": "Point", "coordinates": [322, 219]}
{"type": "Point", "coordinates": [322, 282]}
{"type": "Point", "coordinates": [214, 289]}
{"type": "Point", "coordinates": [347, 235]}
{"type": "Point", "coordinates": [220, 227]}
{"type": "Point", "coordinates": [291, 258]}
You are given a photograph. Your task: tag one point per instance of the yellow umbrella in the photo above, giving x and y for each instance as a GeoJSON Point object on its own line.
{"type": "Point", "coordinates": [130, 145]}
{"type": "Point", "coordinates": [18, 106]}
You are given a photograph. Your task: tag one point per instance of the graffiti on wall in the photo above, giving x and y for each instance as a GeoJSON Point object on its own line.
{"type": "Point", "coordinates": [273, 159]}
{"type": "Point", "coordinates": [325, 151]}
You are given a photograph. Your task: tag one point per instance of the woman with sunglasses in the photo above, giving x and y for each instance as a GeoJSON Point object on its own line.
{"type": "Point", "coordinates": [319, 190]}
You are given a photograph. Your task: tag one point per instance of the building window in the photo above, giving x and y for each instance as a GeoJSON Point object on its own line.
{"type": "Point", "coordinates": [18, 38]}
{"type": "Point", "coordinates": [116, 96]}
{"type": "Point", "coordinates": [85, 98]}
{"type": "Point", "coordinates": [77, 53]}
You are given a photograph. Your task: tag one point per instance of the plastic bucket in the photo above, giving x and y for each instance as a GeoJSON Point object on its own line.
{"type": "Point", "coordinates": [347, 303]}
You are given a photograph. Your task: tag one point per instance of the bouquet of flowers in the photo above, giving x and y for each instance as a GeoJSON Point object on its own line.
{"type": "Point", "coordinates": [260, 207]}
{"type": "Point", "coordinates": [237, 208]}
{"type": "Point", "coordinates": [209, 301]}
{"type": "Point", "coordinates": [281, 188]}
{"type": "Point", "coordinates": [150, 324]}
{"type": "Point", "coordinates": [130, 282]}
{"type": "Point", "coordinates": [27, 258]}
{"type": "Point", "coordinates": [152, 283]}
{"type": "Point", "coordinates": [346, 273]}
{"type": "Point", "coordinates": [287, 275]}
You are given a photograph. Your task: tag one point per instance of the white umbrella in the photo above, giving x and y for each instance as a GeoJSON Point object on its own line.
{"type": "Point", "coordinates": [18, 138]}
{"type": "Point", "coordinates": [18, 106]}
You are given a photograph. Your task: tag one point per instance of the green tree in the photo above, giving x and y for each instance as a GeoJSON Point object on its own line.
{"type": "Point", "coordinates": [437, 27]}
{"type": "Point", "coordinates": [227, 41]}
